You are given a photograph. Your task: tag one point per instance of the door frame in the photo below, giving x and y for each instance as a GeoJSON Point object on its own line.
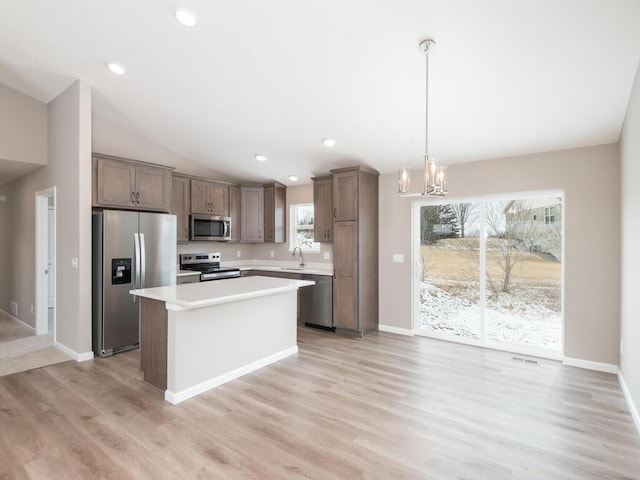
{"type": "Point", "coordinates": [415, 277]}
{"type": "Point", "coordinates": [42, 260]}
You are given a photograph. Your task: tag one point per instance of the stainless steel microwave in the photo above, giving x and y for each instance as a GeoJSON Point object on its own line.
{"type": "Point", "coordinates": [209, 227]}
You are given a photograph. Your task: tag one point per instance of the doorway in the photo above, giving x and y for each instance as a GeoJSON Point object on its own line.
{"type": "Point", "coordinates": [490, 272]}
{"type": "Point", "coordinates": [45, 274]}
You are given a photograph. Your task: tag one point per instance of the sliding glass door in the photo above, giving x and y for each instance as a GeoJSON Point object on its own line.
{"type": "Point", "coordinates": [490, 272]}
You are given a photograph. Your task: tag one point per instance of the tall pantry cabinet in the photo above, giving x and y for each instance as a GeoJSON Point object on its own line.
{"type": "Point", "coordinates": [355, 250]}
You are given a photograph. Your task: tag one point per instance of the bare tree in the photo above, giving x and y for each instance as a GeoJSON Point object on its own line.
{"type": "Point", "coordinates": [466, 214]}
{"type": "Point", "coordinates": [511, 231]}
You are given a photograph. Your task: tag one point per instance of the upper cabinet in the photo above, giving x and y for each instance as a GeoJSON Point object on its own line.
{"type": "Point", "coordinates": [209, 197]}
{"type": "Point", "coordinates": [132, 185]}
{"type": "Point", "coordinates": [345, 195]}
{"type": "Point", "coordinates": [234, 213]}
{"type": "Point", "coordinates": [252, 214]}
{"type": "Point", "coordinates": [323, 209]}
{"type": "Point", "coordinates": [275, 204]}
{"type": "Point", "coordinates": [181, 205]}
{"type": "Point", "coordinates": [263, 213]}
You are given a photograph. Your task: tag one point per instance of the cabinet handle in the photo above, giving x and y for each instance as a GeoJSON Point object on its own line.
{"type": "Point", "coordinates": [335, 212]}
{"type": "Point", "coordinates": [137, 197]}
{"type": "Point", "coordinates": [133, 197]}
{"type": "Point", "coordinates": [186, 232]}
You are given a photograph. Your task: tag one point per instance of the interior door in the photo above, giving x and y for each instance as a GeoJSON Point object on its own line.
{"type": "Point", "coordinates": [51, 257]}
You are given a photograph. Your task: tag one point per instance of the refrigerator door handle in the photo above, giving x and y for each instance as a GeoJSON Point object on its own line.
{"type": "Point", "coordinates": [136, 271]}
{"type": "Point", "coordinates": [142, 261]}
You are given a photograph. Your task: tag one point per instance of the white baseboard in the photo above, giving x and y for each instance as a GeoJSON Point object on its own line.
{"type": "Point", "coordinates": [398, 331]}
{"type": "Point", "coordinates": [632, 405]}
{"type": "Point", "coordinates": [19, 321]}
{"type": "Point", "coordinates": [589, 365]}
{"type": "Point", "coordinates": [78, 357]}
{"type": "Point", "coordinates": [177, 397]}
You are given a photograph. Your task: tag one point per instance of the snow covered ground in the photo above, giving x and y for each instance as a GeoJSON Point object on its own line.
{"type": "Point", "coordinates": [521, 317]}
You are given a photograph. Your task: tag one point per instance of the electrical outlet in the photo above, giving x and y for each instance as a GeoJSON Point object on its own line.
{"type": "Point", "coordinates": [326, 255]}
{"type": "Point", "coordinates": [238, 254]}
{"type": "Point", "coordinates": [14, 308]}
{"type": "Point", "coordinates": [74, 262]}
{"type": "Point", "coordinates": [398, 258]}
{"type": "Point", "coordinates": [272, 254]}
{"type": "Point", "coordinates": [621, 348]}
{"type": "Point", "coordinates": [31, 309]}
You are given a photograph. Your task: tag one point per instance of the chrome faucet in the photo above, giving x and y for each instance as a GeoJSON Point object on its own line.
{"type": "Point", "coordinates": [301, 264]}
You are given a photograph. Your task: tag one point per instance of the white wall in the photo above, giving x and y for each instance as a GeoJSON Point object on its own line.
{"type": "Point", "coordinates": [68, 169]}
{"type": "Point", "coordinates": [112, 139]}
{"type": "Point", "coordinates": [23, 127]}
{"type": "Point", "coordinates": [590, 178]}
{"type": "Point", "coordinates": [630, 199]}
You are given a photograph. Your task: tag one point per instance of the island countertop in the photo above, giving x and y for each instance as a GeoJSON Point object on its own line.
{"type": "Point", "coordinates": [204, 294]}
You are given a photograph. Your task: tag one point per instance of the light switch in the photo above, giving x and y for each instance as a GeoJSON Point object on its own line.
{"type": "Point", "coordinates": [398, 258]}
{"type": "Point", "coordinates": [74, 262]}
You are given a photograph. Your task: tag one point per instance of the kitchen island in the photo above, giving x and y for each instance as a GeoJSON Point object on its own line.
{"type": "Point", "coordinates": [194, 337]}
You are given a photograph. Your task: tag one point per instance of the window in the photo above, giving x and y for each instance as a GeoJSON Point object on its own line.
{"type": "Point", "coordinates": [489, 274]}
{"type": "Point", "coordinates": [302, 228]}
{"type": "Point", "coordinates": [549, 215]}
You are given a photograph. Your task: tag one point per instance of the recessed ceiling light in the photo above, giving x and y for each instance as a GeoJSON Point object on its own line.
{"type": "Point", "coordinates": [260, 158]}
{"type": "Point", "coordinates": [293, 178]}
{"type": "Point", "coordinates": [117, 68]}
{"type": "Point", "coordinates": [329, 142]}
{"type": "Point", "coordinates": [186, 17]}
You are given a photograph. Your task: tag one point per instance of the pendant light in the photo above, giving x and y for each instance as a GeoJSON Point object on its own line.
{"type": "Point", "coordinates": [435, 176]}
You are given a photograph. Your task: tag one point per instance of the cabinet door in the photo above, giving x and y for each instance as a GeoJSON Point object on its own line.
{"type": "Point", "coordinates": [153, 188]}
{"type": "Point", "coordinates": [252, 214]}
{"type": "Point", "coordinates": [219, 199]}
{"type": "Point", "coordinates": [200, 196]}
{"type": "Point", "coordinates": [345, 283]}
{"type": "Point", "coordinates": [116, 183]}
{"type": "Point", "coordinates": [345, 196]}
{"type": "Point", "coordinates": [180, 206]}
{"type": "Point", "coordinates": [234, 213]}
{"type": "Point", "coordinates": [269, 218]}
{"type": "Point", "coordinates": [323, 210]}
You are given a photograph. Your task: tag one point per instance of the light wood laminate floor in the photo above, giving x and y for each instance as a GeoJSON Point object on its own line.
{"type": "Point", "coordinates": [381, 407]}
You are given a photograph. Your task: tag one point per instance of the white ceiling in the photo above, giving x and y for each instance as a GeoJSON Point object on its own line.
{"type": "Point", "coordinates": [276, 77]}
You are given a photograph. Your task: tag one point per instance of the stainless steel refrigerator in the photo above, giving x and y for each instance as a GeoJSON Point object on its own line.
{"type": "Point", "coordinates": [130, 250]}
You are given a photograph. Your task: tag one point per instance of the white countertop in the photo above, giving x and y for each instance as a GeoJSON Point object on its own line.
{"type": "Point", "coordinates": [311, 268]}
{"type": "Point", "coordinates": [204, 294]}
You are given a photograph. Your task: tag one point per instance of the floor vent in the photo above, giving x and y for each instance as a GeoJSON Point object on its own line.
{"type": "Point", "coordinates": [14, 309]}
{"type": "Point", "coordinates": [525, 360]}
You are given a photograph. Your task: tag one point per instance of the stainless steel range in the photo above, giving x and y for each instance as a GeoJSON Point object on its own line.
{"type": "Point", "coordinates": [208, 264]}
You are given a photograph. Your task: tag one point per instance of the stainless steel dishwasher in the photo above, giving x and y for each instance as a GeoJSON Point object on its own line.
{"type": "Point", "coordinates": [316, 301]}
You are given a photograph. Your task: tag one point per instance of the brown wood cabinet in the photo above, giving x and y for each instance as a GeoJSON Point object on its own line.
{"type": "Point", "coordinates": [345, 195]}
{"type": "Point", "coordinates": [355, 250]}
{"type": "Point", "coordinates": [275, 204]}
{"type": "Point", "coordinates": [130, 184]}
{"type": "Point", "coordinates": [252, 214]}
{"type": "Point", "coordinates": [323, 209]}
{"type": "Point", "coordinates": [235, 212]}
{"type": "Point", "coordinates": [209, 197]}
{"type": "Point", "coordinates": [181, 205]}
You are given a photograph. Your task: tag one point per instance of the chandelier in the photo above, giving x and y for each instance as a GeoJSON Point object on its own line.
{"type": "Point", "coordinates": [435, 176]}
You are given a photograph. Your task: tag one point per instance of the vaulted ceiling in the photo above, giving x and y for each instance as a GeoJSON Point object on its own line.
{"type": "Point", "coordinates": [276, 77]}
